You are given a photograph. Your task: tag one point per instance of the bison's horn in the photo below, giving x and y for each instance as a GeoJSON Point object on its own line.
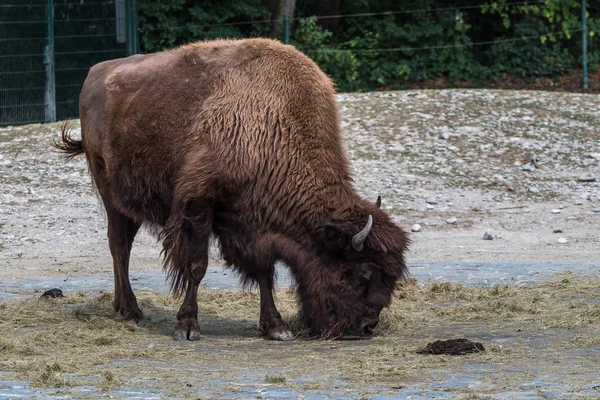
{"type": "Point", "coordinates": [360, 237]}
{"type": "Point", "coordinates": [378, 202]}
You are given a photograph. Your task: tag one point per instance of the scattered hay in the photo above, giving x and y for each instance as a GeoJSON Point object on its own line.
{"type": "Point", "coordinates": [556, 304]}
{"type": "Point", "coordinates": [70, 341]}
{"type": "Point", "coordinates": [274, 379]}
{"type": "Point", "coordinates": [48, 375]}
{"type": "Point", "coordinates": [109, 381]}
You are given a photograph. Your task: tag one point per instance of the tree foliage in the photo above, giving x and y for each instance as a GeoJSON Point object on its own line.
{"type": "Point", "coordinates": [395, 42]}
{"type": "Point", "coordinates": [168, 23]}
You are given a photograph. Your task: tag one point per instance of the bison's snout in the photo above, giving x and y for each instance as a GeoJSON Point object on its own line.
{"type": "Point", "coordinates": [360, 330]}
{"type": "Point", "coordinates": [369, 329]}
{"type": "Point", "coordinates": [368, 326]}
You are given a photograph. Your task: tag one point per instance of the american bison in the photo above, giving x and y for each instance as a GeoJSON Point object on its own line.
{"type": "Point", "coordinates": [240, 140]}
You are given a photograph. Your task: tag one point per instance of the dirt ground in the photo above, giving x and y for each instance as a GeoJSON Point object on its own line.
{"type": "Point", "coordinates": [449, 160]}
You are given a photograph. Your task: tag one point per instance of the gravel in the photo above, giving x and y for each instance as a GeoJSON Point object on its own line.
{"type": "Point", "coordinates": [52, 222]}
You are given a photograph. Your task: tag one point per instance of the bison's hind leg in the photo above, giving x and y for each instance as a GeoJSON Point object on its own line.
{"type": "Point", "coordinates": [121, 232]}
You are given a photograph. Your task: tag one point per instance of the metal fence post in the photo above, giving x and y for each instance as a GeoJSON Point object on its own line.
{"type": "Point", "coordinates": [584, 43]}
{"type": "Point", "coordinates": [134, 19]}
{"type": "Point", "coordinates": [286, 29]}
{"type": "Point", "coordinates": [133, 46]}
{"type": "Point", "coordinates": [50, 89]}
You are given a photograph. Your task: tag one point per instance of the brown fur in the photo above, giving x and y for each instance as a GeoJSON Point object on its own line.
{"type": "Point", "coordinates": [240, 140]}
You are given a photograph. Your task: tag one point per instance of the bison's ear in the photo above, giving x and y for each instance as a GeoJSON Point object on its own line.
{"type": "Point", "coordinates": [334, 240]}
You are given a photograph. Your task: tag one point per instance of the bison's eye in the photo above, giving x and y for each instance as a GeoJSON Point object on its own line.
{"type": "Point", "coordinates": [364, 273]}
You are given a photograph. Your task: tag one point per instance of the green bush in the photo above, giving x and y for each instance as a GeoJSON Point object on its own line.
{"type": "Point", "coordinates": [341, 65]}
{"type": "Point", "coordinates": [531, 57]}
{"type": "Point", "coordinates": [168, 23]}
{"type": "Point", "coordinates": [474, 44]}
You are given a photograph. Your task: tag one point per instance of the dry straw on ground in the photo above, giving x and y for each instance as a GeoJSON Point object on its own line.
{"type": "Point", "coordinates": [78, 341]}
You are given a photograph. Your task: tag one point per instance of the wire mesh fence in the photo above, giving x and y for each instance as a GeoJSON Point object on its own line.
{"type": "Point", "coordinates": [22, 70]}
{"type": "Point", "coordinates": [47, 48]}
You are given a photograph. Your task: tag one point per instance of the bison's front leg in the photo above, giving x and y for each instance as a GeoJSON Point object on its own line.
{"type": "Point", "coordinates": [271, 323]}
{"type": "Point", "coordinates": [187, 317]}
{"type": "Point", "coordinates": [187, 235]}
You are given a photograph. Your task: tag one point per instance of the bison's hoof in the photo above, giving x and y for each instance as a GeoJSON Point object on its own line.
{"type": "Point", "coordinates": [186, 335]}
{"type": "Point", "coordinates": [132, 314]}
{"type": "Point", "coordinates": [283, 336]}
{"type": "Point", "coordinates": [276, 329]}
{"type": "Point", "coordinates": [187, 329]}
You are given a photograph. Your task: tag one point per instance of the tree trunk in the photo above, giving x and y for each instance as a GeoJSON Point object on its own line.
{"type": "Point", "coordinates": [271, 5]}
{"type": "Point", "coordinates": [283, 7]}
{"type": "Point", "coordinates": [328, 7]}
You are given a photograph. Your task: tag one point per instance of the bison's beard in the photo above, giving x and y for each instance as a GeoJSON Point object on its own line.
{"type": "Point", "coordinates": [343, 308]}
{"type": "Point", "coordinates": [330, 314]}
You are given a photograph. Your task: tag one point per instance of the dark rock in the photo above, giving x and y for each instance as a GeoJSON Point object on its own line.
{"type": "Point", "coordinates": [455, 347]}
{"type": "Point", "coordinates": [587, 177]}
{"type": "Point", "coordinates": [528, 167]}
{"type": "Point", "coordinates": [52, 294]}
{"type": "Point", "coordinates": [432, 200]}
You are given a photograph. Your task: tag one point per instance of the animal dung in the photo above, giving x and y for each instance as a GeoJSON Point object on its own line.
{"type": "Point", "coordinates": [454, 347]}
{"type": "Point", "coordinates": [52, 294]}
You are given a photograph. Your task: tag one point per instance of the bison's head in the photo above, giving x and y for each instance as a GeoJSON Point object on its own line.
{"type": "Point", "coordinates": [352, 274]}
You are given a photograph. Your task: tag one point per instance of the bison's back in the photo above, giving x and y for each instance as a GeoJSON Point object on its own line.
{"type": "Point", "coordinates": [253, 115]}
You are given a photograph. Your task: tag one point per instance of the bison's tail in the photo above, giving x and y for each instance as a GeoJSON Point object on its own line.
{"type": "Point", "coordinates": [67, 145]}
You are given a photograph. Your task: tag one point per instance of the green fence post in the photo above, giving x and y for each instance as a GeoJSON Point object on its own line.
{"type": "Point", "coordinates": [584, 43]}
{"type": "Point", "coordinates": [286, 29]}
{"type": "Point", "coordinates": [133, 46]}
{"type": "Point", "coordinates": [128, 23]}
{"type": "Point", "coordinates": [136, 38]}
{"type": "Point", "coordinates": [50, 88]}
